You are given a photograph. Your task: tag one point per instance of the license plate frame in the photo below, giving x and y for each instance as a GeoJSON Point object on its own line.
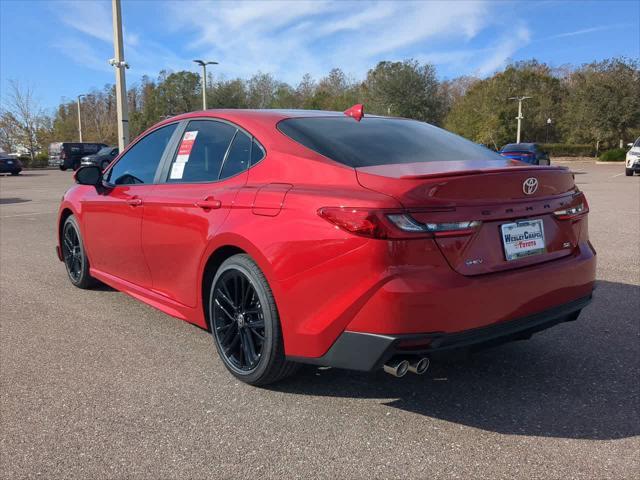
{"type": "Point", "coordinates": [523, 238]}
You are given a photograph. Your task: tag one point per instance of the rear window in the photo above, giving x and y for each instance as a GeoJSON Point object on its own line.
{"type": "Point", "coordinates": [518, 147]}
{"type": "Point", "coordinates": [381, 141]}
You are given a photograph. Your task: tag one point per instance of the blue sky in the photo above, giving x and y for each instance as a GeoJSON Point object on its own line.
{"type": "Point", "coordinates": [60, 48]}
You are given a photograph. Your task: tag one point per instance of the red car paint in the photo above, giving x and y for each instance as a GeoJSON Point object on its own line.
{"type": "Point", "coordinates": [153, 241]}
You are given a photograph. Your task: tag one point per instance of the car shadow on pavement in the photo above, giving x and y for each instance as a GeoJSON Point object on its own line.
{"type": "Point", "coordinates": [577, 380]}
{"type": "Point", "coordinates": [11, 200]}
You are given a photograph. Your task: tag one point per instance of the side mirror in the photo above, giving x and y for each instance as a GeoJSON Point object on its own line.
{"type": "Point", "coordinates": [89, 175]}
{"type": "Point", "coordinates": [629, 144]}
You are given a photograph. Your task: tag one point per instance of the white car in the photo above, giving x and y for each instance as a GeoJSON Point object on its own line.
{"type": "Point", "coordinates": [633, 159]}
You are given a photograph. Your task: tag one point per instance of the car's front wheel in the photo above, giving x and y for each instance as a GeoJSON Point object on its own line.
{"type": "Point", "coordinates": [245, 324]}
{"type": "Point", "coordinates": [628, 172]}
{"type": "Point", "coordinates": [74, 254]}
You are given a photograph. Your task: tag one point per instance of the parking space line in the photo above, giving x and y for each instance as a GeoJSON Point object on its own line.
{"type": "Point", "coordinates": [26, 214]}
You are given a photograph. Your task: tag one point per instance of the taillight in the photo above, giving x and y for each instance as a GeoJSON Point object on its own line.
{"type": "Point", "coordinates": [385, 224]}
{"type": "Point", "coordinates": [577, 208]}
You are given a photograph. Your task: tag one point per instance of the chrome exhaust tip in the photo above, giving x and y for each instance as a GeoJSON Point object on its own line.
{"type": "Point", "coordinates": [397, 367]}
{"type": "Point", "coordinates": [419, 365]}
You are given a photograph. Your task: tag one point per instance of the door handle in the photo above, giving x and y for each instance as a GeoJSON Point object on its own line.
{"type": "Point", "coordinates": [134, 202]}
{"type": "Point", "coordinates": [209, 203]}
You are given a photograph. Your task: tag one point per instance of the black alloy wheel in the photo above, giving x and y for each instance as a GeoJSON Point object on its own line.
{"type": "Point", "coordinates": [74, 256]}
{"type": "Point", "coordinates": [72, 252]}
{"type": "Point", "coordinates": [245, 324]}
{"type": "Point", "coordinates": [238, 320]}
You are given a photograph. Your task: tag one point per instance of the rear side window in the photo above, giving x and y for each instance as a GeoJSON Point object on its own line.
{"type": "Point", "coordinates": [239, 156]}
{"type": "Point", "coordinates": [257, 153]}
{"type": "Point", "coordinates": [201, 152]}
{"type": "Point", "coordinates": [381, 141]}
{"type": "Point", "coordinates": [140, 162]}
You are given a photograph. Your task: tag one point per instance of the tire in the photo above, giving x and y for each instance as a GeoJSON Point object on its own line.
{"type": "Point", "coordinates": [74, 255]}
{"type": "Point", "coordinates": [15, 174]}
{"type": "Point", "coordinates": [242, 311]}
{"type": "Point", "coordinates": [63, 168]}
{"type": "Point", "coordinates": [628, 172]}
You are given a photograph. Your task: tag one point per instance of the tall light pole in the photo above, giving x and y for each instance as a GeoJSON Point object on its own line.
{"type": "Point", "coordinates": [204, 64]}
{"type": "Point", "coordinates": [519, 117]}
{"type": "Point", "coordinates": [549, 121]}
{"type": "Point", "coordinates": [80, 118]}
{"type": "Point", "coordinates": [121, 86]}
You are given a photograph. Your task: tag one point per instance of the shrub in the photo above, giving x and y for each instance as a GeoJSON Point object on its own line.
{"type": "Point", "coordinates": [41, 160]}
{"type": "Point", "coordinates": [568, 149]}
{"type": "Point", "coordinates": [613, 155]}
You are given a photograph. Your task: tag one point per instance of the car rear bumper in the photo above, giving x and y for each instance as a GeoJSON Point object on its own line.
{"type": "Point", "coordinates": [368, 351]}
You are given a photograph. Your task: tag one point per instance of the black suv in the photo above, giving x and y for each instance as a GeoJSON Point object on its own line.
{"type": "Point", "coordinates": [67, 155]}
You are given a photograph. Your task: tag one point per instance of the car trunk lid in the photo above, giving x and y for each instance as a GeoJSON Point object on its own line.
{"type": "Point", "coordinates": [494, 193]}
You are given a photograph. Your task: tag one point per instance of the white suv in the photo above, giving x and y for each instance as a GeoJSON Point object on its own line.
{"type": "Point", "coordinates": [633, 159]}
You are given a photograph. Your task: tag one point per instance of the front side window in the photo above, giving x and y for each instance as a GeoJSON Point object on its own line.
{"type": "Point", "coordinates": [140, 162]}
{"type": "Point", "coordinates": [381, 141]}
{"type": "Point", "coordinates": [201, 152]}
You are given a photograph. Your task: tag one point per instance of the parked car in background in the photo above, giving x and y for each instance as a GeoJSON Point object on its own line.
{"type": "Point", "coordinates": [9, 164]}
{"type": "Point", "coordinates": [102, 158]}
{"type": "Point", "coordinates": [312, 237]}
{"type": "Point", "coordinates": [526, 152]}
{"type": "Point", "coordinates": [67, 154]}
{"type": "Point", "coordinates": [632, 164]}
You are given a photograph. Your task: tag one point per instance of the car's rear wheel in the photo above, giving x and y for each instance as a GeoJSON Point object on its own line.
{"type": "Point", "coordinates": [245, 324]}
{"type": "Point", "coordinates": [74, 254]}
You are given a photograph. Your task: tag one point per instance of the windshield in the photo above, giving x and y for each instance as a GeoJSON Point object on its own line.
{"type": "Point", "coordinates": [381, 141]}
{"type": "Point", "coordinates": [637, 143]}
{"type": "Point", "coordinates": [104, 151]}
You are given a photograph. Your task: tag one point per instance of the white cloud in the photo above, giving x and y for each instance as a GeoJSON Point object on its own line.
{"type": "Point", "coordinates": [289, 39]}
{"type": "Point", "coordinates": [585, 31]}
{"type": "Point", "coordinates": [503, 51]}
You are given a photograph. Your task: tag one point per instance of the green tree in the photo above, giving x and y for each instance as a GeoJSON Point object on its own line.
{"type": "Point", "coordinates": [603, 105]}
{"type": "Point", "coordinates": [178, 92]}
{"type": "Point", "coordinates": [404, 89]}
{"type": "Point", "coordinates": [485, 114]}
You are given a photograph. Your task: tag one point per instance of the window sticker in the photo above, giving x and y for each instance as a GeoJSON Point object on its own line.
{"type": "Point", "coordinates": [186, 145]}
{"type": "Point", "coordinates": [177, 170]}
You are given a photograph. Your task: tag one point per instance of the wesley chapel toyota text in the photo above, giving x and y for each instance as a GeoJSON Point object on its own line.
{"type": "Point", "coordinates": [345, 240]}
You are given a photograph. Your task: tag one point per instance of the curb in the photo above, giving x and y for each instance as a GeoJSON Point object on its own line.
{"type": "Point", "coordinates": [610, 163]}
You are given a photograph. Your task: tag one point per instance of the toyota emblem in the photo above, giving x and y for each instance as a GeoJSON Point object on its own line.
{"type": "Point", "coordinates": [530, 186]}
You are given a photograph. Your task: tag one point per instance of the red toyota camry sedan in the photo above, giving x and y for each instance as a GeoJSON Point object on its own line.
{"type": "Point", "coordinates": [344, 240]}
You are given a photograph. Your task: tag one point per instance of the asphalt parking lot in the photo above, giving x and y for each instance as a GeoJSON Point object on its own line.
{"type": "Point", "coordinates": [94, 384]}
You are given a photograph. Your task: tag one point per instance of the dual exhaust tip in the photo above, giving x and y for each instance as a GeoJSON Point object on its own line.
{"type": "Point", "coordinates": [399, 367]}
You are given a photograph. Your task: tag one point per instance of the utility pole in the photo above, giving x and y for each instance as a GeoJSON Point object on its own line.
{"type": "Point", "coordinates": [80, 118]}
{"type": "Point", "coordinates": [121, 86]}
{"type": "Point", "coordinates": [519, 117]}
{"type": "Point", "coordinates": [204, 64]}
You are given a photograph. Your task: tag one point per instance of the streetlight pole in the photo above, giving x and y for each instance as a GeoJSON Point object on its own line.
{"type": "Point", "coordinates": [204, 64]}
{"type": "Point", "coordinates": [121, 86]}
{"type": "Point", "coordinates": [519, 117]}
{"type": "Point", "coordinates": [80, 118]}
{"type": "Point", "coordinates": [548, 127]}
